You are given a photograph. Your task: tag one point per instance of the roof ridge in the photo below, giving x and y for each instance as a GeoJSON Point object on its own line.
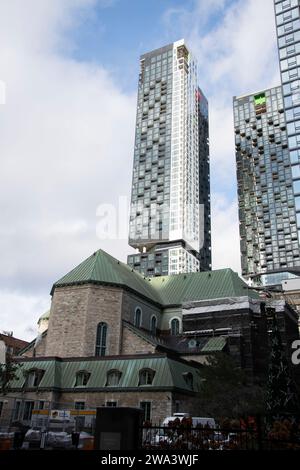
{"type": "Point", "coordinates": [112, 260]}
{"type": "Point", "coordinates": [165, 291]}
{"type": "Point", "coordinates": [234, 277]}
{"type": "Point", "coordinates": [230, 274]}
{"type": "Point", "coordinates": [96, 255]}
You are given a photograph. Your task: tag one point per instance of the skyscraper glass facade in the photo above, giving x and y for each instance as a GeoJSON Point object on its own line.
{"type": "Point", "coordinates": [267, 206]}
{"type": "Point", "coordinates": [170, 201]}
{"type": "Point", "coordinates": [288, 33]}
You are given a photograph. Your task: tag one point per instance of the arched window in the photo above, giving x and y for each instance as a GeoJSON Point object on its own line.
{"type": "Point", "coordinates": [101, 339]}
{"type": "Point", "coordinates": [113, 378]}
{"type": "Point", "coordinates": [82, 378]}
{"type": "Point", "coordinates": [138, 317]}
{"type": "Point", "coordinates": [153, 325]}
{"type": "Point", "coordinates": [146, 376]}
{"type": "Point", "coordinates": [175, 327]}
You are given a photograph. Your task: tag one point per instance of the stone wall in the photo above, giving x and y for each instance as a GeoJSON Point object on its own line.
{"type": "Point", "coordinates": [161, 402]}
{"type": "Point", "coordinates": [39, 350]}
{"type": "Point", "coordinates": [168, 315]}
{"type": "Point", "coordinates": [75, 313]}
{"type": "Point", "coordinates": [8, 414]}
{"type": "Point", "coordinates": [131, 302]}
{"type": "Point", "coordinates": [133, 344]}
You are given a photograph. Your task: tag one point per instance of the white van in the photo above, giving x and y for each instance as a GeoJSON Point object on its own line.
{"type": "Point", "coordinates": [197, 421]}
{"type": "Point", "coordinates": [204, 422]}
{"type": "Point", "coordinates": [162, 434]}
{"type": "Point", "coordinates": [179, 416]}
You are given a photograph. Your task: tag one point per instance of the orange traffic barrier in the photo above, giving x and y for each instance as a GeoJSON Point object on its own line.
{"type": "Point", "coordinates": [88, 444]}
{"type": "Point", "coordinates": [6, 443]}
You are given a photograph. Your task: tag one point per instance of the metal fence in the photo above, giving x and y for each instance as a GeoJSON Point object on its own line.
{"type": "Point", "coordinates": [190, 439]}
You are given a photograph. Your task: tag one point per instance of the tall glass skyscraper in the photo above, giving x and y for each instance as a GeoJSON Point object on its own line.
{"type": "Point", "coordinates": [267, 127]}
{"type": "Point", "coordinates": [288, 33]}
{"type": "Point", "coordinates": [268, 229]}
{"type": "Point", "coordinates": [170, 202]}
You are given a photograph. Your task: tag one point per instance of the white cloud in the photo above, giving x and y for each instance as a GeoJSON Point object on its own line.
{"type": "Point", "coordinates": [66, 134]}
{"type": "Point", "coordinates": [192, 20]}
{"type": "Point", "coordinates": [67, 131]}
{"type": "Point", "coordinates": [20, 313]}
{"type": "Point", "coordinates": [63, 228]}
{"type": "Point", "coordinates": [225, 245]}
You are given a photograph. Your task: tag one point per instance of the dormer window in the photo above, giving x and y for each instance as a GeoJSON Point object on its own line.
{"type": "Point", "coordinates": [34, 377]}
{"type": "Point", "coordinates": [82, 378]}
{"type": "Point", "coordinates": [113, 378]}
{"type": "Point", "coordinates": [146, 376]}
{"type": "Point", "coordinates": [189, 379]}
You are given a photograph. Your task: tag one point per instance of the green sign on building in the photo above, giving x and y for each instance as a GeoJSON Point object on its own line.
{"type": "Point", "coordinates": [260, 100]}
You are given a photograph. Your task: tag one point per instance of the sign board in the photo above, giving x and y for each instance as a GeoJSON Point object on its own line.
{"type": "Point", "coordinates": [60, 415]}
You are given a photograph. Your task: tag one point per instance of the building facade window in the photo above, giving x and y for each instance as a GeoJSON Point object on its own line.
{"type": "Point", "coordinates": [113, 378]}
{"type": "Point", "coordinates": [175, 327]}
{"type": "Point", "coordinates": [146, 377]}
{"type": "Point", "coordinates": [153, 325]}
{"type": "Point", "coordinates": [79, 405]}
{"type": "Point", "coordinates": [28, 407]}
{"type": "Point", "coordinates": [17, 410]}
{"type": "Point", "coordinates": [82, 378]}
{"type": "Point", "coordinates": [138, 317]}
{"type": "Point", "coordinates": [101, 339]}
{"type": "Point", "coordinates": [146, 407]}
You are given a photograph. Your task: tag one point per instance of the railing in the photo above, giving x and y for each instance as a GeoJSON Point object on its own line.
{"type": "Point", "coordinates": [180, 438]}
{"type": "Point", "coordinates": [167, 438]}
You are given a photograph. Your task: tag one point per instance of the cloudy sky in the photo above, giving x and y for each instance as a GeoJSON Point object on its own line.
{"type": "Point", "coordinates": [70, 70]}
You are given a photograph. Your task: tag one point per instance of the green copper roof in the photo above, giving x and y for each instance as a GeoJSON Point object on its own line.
{"type": "Point", "coordinates": [215, 344]}
{"type": "Point", "coordinates": [102, 268]}
{"type": "Point", "coordinates": [169, 373]}
{"type": "Point", "coordinates": [181, 288]}
{"type": "Point", "coordinates": [45, 316]}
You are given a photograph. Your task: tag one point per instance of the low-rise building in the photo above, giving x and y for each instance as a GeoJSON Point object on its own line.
{"type": "Point", "coordinates": [117, 338]}
{"type": "Point", "coordinates": [11, 345]}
